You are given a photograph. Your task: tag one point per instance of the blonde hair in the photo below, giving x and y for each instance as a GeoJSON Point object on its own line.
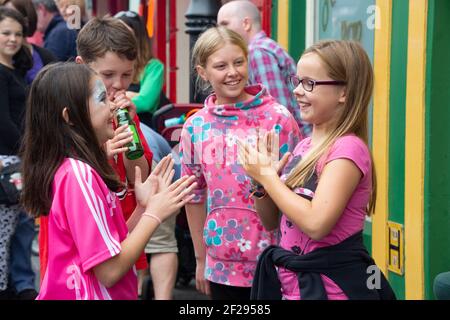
{"type": "Point", "coordinates": [344, 61]}
{"type": "Point", "coordinates": [209, 42]}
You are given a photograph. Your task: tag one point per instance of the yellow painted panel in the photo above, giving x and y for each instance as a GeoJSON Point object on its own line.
{"type": "Point", "coordinates": [415, 150]}
{"type": "Point", "coordinates": [382, 63]}
{"type": "Point", "coordinates": [283, 23]}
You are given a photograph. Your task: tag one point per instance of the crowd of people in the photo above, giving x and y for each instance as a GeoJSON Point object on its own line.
{"type": "Point", "coordinates": [275, 172]}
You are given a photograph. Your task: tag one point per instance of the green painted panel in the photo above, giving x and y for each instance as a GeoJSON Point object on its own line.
{"type": "Point", "coordinates": [274, 26]}
{"type": "Point", "coordinates": [297, 28]}
{"type": "Point", "coordinates": [397, 114]}
{"type": "Point", "coordinates": [437, 170]}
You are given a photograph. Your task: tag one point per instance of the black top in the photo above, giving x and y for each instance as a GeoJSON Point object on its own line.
{"type": "Point", "coordinates": [12, 110]}
{"type": "Point", "coordinates": [347, 263]}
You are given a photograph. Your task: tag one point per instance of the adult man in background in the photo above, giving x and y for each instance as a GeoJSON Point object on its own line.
{"type": "Point", "coordinates": [269, 63]}
{"type": "Point", "coordinates": [58, 37]}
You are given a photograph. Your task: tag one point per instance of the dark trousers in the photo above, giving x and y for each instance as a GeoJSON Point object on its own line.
{"type": "Point", "coordinates": [21, 275]}
{"type": "Point", "coordinates": [224, 292]}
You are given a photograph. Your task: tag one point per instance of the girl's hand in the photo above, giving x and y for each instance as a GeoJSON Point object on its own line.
{"type": "Point", "coordinates": [123, 101]}
{"type": "Point", "coordinates": [116, 145]}
{"type": "Point", "coordinates": [260, 162]}
{"type": "Point", "coordinates": [162, 176]}
{"type": "Point", "coordinates": [165, 203]}
{"type": "Point", "coordinates": [272, 143]}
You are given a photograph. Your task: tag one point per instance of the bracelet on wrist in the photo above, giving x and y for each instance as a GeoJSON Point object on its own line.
{"type": "Point", "coordinates": [258, 194]}
{"type": "Point", "coordinates": [257, 190]}
{"type": "Point", "coordinates": [151, 215]}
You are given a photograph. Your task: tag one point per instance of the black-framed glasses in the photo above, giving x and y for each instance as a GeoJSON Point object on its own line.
{"type": "Point", "coordinates": [128, 14]}
{"type": "Point", "coordinates": [309, 84]}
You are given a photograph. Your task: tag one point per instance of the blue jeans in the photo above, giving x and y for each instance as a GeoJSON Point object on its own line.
{"type": "Point", "coordinates": [22, 276]}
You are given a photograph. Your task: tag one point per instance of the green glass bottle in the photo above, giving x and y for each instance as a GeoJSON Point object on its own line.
{"type": "Point", "coordinates": [135, 149]}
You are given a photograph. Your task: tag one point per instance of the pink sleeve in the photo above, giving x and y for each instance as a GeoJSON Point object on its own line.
{"type": "Point", "coordinates": [191, 164]}
{"type": "Point", "coordinates": [89, 209]}
{"type": "Point", "coordinates": [351, 148]}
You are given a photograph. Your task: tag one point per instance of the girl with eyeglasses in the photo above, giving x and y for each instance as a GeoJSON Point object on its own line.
{"type": "Point", "coordinates": [327, 187]}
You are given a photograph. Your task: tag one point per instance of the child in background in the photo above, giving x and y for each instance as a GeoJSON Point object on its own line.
{"type": "Point", "coordinates": [327, 187]}
{"type": "Point", "coordinates": [110, 49]}
{"type": "Point", "coordinates": [15, 61]}
{"type": "Point", "coordinates": [226, 231]}
{"type": "Point", "coordinates": [67, 177]}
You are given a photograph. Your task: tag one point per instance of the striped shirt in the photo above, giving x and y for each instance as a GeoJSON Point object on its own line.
{"type": "Point", "coordinates": [270, 65]}
{"type": "Point", "coordinates": [85, 228]}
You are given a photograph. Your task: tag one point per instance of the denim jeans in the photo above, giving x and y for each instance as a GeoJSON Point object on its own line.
{"type": "Point", "coordinates": [22, 276]}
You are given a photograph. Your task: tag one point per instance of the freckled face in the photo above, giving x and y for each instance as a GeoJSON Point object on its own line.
{"type": "Point", "coordinates": [227, 72]}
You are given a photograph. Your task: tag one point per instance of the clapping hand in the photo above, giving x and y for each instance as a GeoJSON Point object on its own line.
{"type": "Point", "coordinates": [161, 177]}
{"type": "Point", "coordinates": [261, 162]}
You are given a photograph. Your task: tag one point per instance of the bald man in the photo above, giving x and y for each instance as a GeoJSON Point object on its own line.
{"type": "Point", "coordinates": [269, 63]}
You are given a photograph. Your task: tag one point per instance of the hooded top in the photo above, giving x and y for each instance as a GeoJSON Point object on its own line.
{"type": "Point", "coordinates": [233, 234]}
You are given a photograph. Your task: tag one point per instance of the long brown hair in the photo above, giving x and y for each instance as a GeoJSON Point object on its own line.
{"type": "Point", "coordinates": [344, 61]}
{"type": "Point", "coordinates": [49, 138]}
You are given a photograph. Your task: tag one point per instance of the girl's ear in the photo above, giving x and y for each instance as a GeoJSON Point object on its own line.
{"type": "Point", "coordinates": [201, 72]}
{"type": "Point", "coordinates": [65, 115]}
{"type": "Point", "coordinates": [343, 95]}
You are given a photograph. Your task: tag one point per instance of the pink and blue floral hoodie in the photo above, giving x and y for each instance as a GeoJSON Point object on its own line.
{"type": "Point", "coordinates": [233, 233]}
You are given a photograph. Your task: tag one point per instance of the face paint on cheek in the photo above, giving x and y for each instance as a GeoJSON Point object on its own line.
{"type": "Point", "coordinates": [99, 93]}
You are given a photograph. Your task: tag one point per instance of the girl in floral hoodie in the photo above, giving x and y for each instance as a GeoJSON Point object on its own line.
{"type": "Point", "coordinates": [227, 233]}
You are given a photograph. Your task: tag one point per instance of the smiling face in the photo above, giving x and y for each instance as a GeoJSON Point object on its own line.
{"type": "Point", "coordinates": [11, 38]}
{"type": "Point", "coordinates": [324, 105]}
{"type": "Point", "coordinates": [116, 72]}
{"type": "Point", "coordinates": [227, 72]}
{"type": "Point", "coordinates": [101, 111]}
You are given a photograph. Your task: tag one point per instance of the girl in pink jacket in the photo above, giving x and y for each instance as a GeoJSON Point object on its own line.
{"type": "Point", "coordinates": [227, 233]}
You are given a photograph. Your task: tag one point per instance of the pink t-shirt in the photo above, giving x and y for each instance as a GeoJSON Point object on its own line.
{"type": "Point", "coordinates": [85, 228]}
{"type": "Point", "coordinates": [351, 221]}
